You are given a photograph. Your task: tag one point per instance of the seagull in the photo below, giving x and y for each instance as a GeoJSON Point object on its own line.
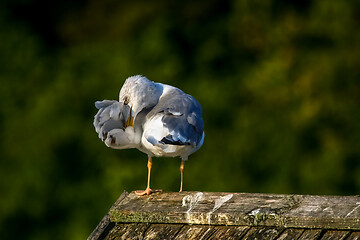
{"type": "Point", "coordinates": [157, 119]}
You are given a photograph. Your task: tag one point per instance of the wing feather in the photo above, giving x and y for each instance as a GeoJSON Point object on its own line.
{"type": "Point", "coordinates": [181, 116]}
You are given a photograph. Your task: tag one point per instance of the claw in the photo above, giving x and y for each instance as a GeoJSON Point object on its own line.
{"type": "Point", "coordinates": [147, 191]}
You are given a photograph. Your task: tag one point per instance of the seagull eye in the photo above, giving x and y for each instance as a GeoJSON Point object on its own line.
{"type": "Point", "coordinates": [126, 100]}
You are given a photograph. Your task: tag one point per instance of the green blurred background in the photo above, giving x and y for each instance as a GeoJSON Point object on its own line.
{"type": "Point", "coordinates": [278, 82]}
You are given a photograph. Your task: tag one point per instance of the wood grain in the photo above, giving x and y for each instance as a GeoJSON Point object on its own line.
{"type": "Point", "coordinates": [241, 209]}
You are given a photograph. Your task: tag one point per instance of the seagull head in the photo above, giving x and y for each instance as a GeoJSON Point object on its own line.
{"type": "Point", "coordinates": [139, 93]}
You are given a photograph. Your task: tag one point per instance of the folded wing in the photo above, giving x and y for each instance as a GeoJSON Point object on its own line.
{"type": "Point", "coordinates": [179, 116]}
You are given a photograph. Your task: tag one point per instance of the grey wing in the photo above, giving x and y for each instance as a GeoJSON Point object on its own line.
{"type": "Point", "coordinates": [104, 103]}
{"type": "Point", "coordinates": [111, 115]}
{"type": "Point", "coordinates": [183, 118]}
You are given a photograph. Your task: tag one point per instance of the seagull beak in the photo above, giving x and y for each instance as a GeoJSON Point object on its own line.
{"type": "Point", "coordinates": [130, 120]}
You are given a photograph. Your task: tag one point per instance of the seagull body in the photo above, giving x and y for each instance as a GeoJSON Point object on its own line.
{"type": "Point", "coordinates": [157, 119]}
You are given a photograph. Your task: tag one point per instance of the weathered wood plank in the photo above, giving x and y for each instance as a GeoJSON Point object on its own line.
{"type": "Point", "coordinates": [354, 236]}
{"type": "Point", "coordinates": [162, 231]}
{"type": "Point", "coordinates": [310, 234]}
{"type": "Point", "coordinates": [268, 233]}
{"type": "Point", "coordinates": [335, 235]}
{"type": "Point", "coordinates": [199, 232]}
{"type": "Point", "coordinates": [290, 234]}
{"type": "Point", "coordinates": [118, 230]}
{"type": "Point", "coordinates": [226, 232]}
{"type": "Point", "coordinates": [127, 231]}
{"type": "Point", "coordinates": [242, 209]}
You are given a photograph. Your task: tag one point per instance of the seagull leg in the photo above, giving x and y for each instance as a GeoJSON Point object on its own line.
{"type": "Point", "coordinates": [148, 190]}
{"type": "Point", "coordinates": [181, 174]}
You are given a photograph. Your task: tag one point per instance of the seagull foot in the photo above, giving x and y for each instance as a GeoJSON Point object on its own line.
{"type": "Point", "coordinates": [147, 191]}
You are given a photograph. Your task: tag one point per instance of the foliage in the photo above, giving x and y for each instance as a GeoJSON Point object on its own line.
{"type": "Point", "coordinates": [277, 80]}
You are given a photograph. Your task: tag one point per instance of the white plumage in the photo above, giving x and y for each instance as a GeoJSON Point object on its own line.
{"type": "Point", "coordinates": [158, 119]}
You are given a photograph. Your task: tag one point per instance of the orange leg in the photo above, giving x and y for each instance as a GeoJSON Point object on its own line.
{"type": "Point", "coordinates": [182, 174]}
{"type": "Point", "coordinates": [148, 190]}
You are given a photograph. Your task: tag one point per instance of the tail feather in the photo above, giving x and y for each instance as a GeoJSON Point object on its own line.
{"type": "Point", "coordinates": [111, 115]}
{"type": "Point", "coordinates": [109, 123]}
{"type": "Point", "coordinates": [104, 103]}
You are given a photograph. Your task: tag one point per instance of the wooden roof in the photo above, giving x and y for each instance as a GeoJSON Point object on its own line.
{"type": "Point", "coordinates": [206, 215]}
